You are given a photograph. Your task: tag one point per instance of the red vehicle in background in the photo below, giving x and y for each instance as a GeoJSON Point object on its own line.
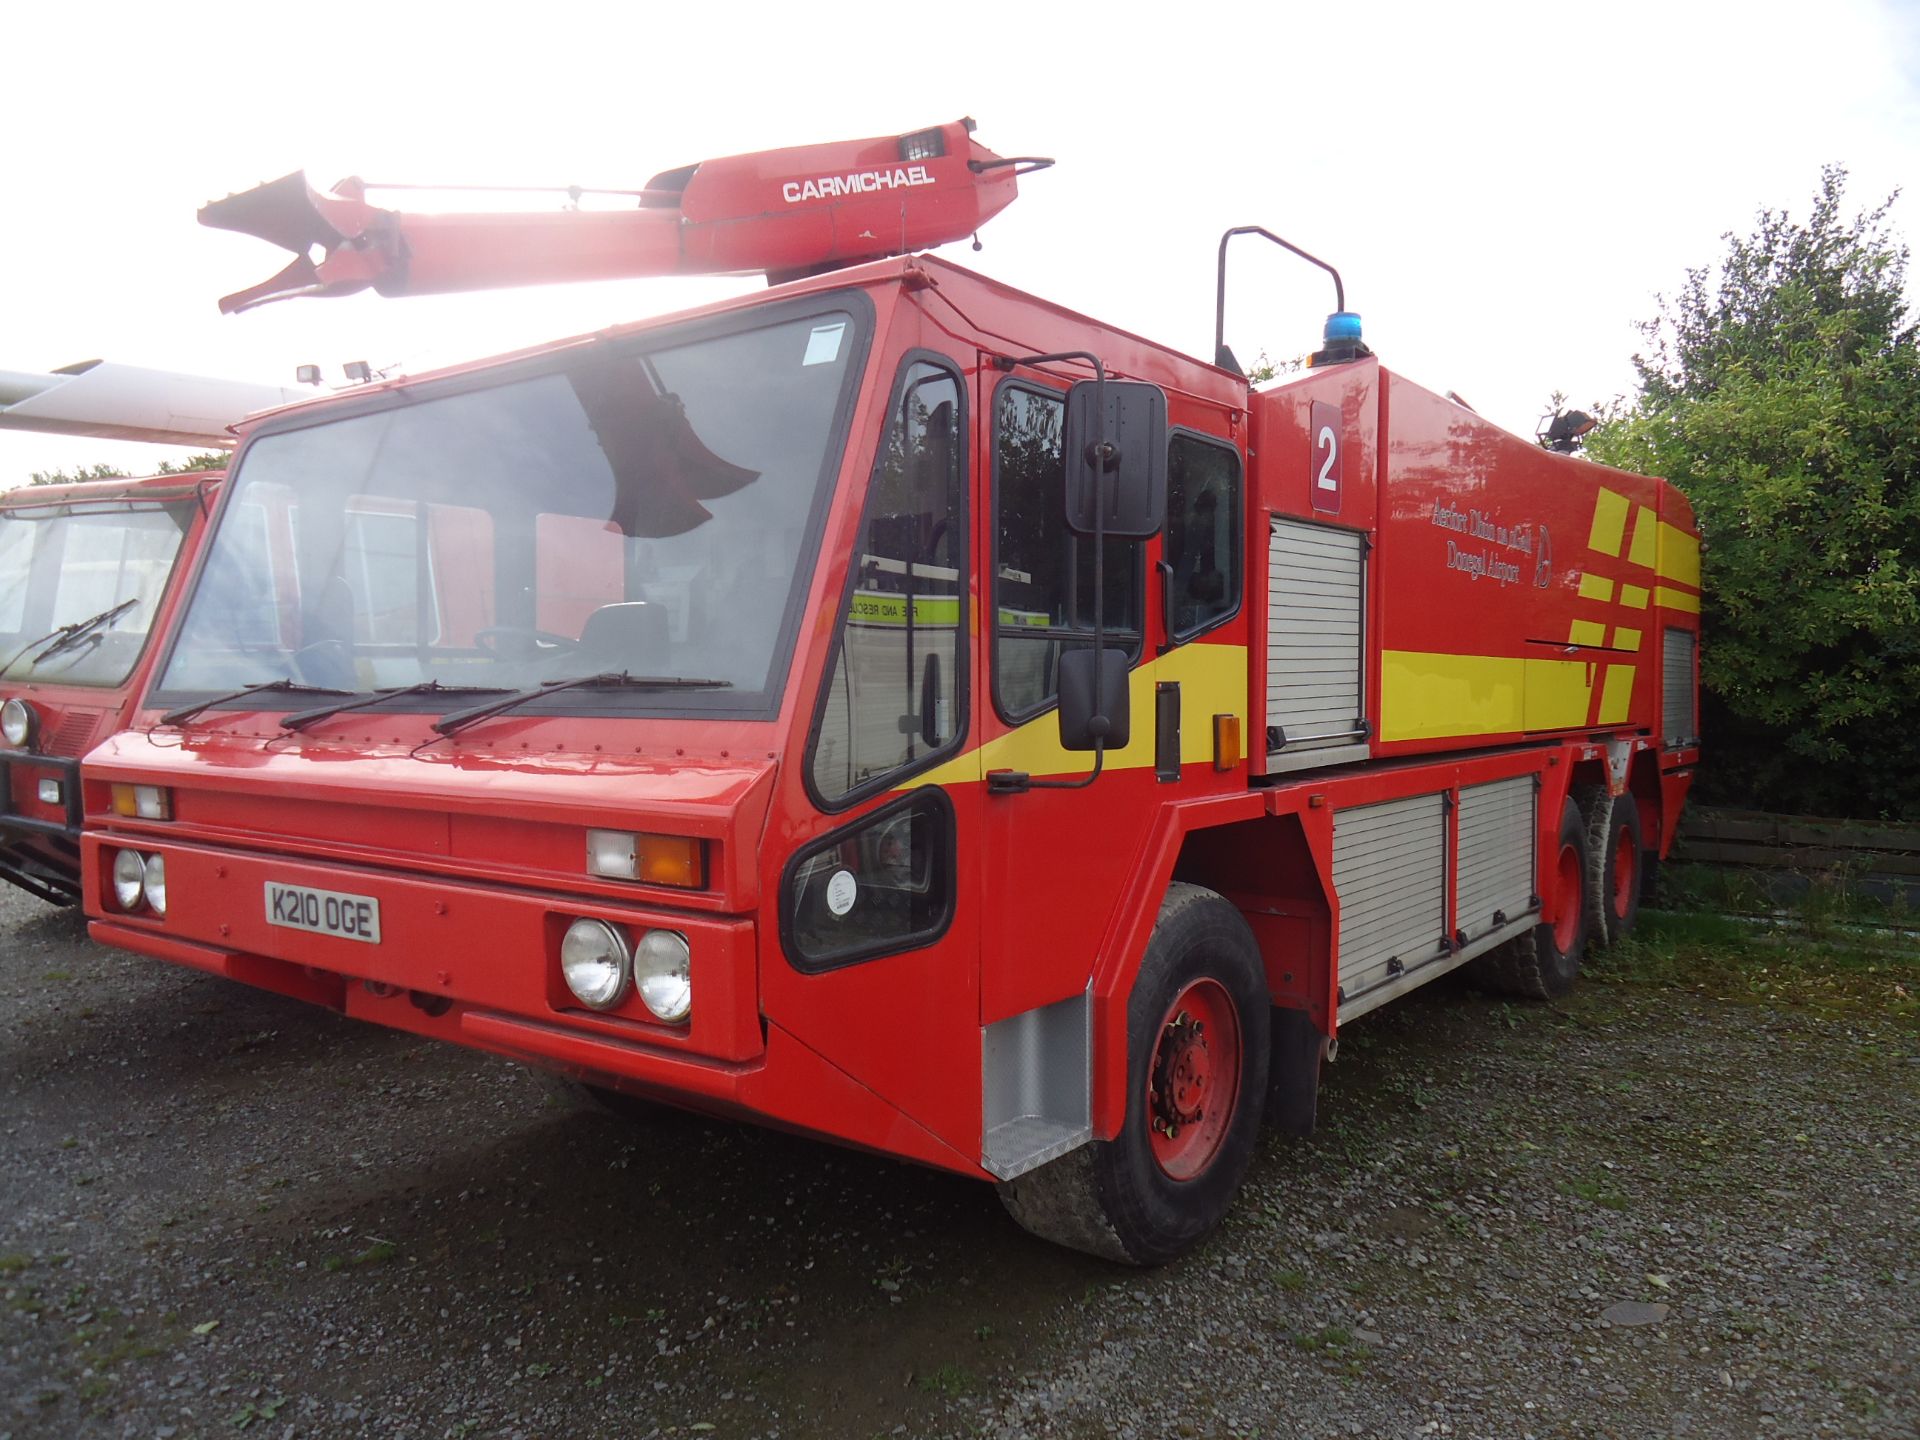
{"type": "Point", "coordinates": [89, 575]}
{"type": "Point", "coordinates": [897, 708]}
{"type": "Point", "coordinates": [86, 582]}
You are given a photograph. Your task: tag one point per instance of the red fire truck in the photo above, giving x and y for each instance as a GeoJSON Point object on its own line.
{"type": "Point", "coordinates": [88, 574]}
{"type": "Point", "coordinates": [896, 708]}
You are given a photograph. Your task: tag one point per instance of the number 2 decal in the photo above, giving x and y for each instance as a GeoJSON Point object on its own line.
{"type": "Point", "coordinates": [1325, 463]}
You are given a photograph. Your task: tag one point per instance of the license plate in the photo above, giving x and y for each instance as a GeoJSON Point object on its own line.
{"type": "Point", "coordinates": [324, 912]}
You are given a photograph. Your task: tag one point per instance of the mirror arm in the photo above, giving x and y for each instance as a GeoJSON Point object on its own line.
{"type": "Point", "coordinates": [1099, 722]}
{"type": "Point", "coordinates": [1165, 569]}
{"type": "Point", "coordinates": [1018, 782]}
{"type": "Point", "coordinates": [1223, 357]}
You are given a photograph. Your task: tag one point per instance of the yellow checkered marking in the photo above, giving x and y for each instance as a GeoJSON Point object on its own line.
{"type": "Point", "coordinates": [1641, 550]}
{"type": "Point", "coordinates": [1609, 522]}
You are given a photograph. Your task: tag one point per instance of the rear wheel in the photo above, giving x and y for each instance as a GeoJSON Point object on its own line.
{"type": "Point", "coordinates": [1615, 865]}
{"type": "Point", "coordinates": [1197, 1054]}
{"type": "Point", "coordinates": [1543, 963]}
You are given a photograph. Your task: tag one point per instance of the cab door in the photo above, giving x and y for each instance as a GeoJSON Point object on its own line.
{"type": "Point", "coordinates": [878, 900]}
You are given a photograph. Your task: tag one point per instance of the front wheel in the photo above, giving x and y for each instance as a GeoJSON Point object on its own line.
{"type": "Point", "coordinates": [1198, 1044]}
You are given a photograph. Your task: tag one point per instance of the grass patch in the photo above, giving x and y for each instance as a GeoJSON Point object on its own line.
{"type": "Point", "coordinates": [1732, 959]}
{"type": "Point", "coordinates": [1598, 1192]}
{"type": "Point", "coordinates": [950, 1380]}
{"type": "Point", "coordinates": [377, 1253]}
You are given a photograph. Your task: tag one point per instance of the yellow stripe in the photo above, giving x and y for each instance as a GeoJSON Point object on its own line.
{"type": "Point", "coordinates": [1633, 597]}
{"type": "Point", "coordinates": [1213, 681]}
{"type": "Point", "coordinates": [1558, 694]}
{"type": "Point", "coordinates": [1625, 638]}
{"type": "Point", "coordinates": [1596, 587]}
{"type": "Point", "coordinates": [1679, 555]}
{"type": "Point", "coordinates": [1609, 522]}
{"type": "Point", "coordinates": [1641, 552]}
{"type": "Point", "coordinates": [1430, 696]}
{"type": "Point", "coordinates": [1587, 632]}
{"type": "Point", "coordinates": [1616, 695]}
{"type": "Point", "coordinates": [1676, 599]}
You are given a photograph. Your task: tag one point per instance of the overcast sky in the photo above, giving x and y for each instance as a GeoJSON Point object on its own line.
{"type": "Point", "coordinates": [1504, 188]}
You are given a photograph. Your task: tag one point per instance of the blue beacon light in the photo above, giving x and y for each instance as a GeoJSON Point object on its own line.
{"type": "Point", "coordinates": [1343, 326]}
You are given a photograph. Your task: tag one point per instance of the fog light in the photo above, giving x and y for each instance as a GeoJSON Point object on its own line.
{"type": "Point", "coordinates": [50, 792]}
{"type": "Point", "coordinates": [16, 722]}
{"type": "Point", "coordinates": [129, 878]}
{"type": "Point", "coordinates": [595, 964]}
{"type": "Point", "coordinates": [153, 882]}
{"type": "Point", "coordinates": [662, 969]}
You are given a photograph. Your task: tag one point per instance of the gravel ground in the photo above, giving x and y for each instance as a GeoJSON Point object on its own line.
{"type": "Point", "coordinates": [1648, 1211]}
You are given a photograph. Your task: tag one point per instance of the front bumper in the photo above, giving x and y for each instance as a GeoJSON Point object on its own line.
{"type": "Point", "coordinates": [39, 854]}
{"type": "Point", "coordinates": [477, 964]}
{"type": "Point", "coordinates": [444, 942]}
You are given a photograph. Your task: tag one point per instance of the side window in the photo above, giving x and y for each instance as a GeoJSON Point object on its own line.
{"type": "Point", "coordinates": [1043, 572]}
{"type": "Point", "coordinates": [895, 690]}
{"type": "Point", "coordinates": [879, 886]}
{"type": "Point", "coordinates": [1203, 534]}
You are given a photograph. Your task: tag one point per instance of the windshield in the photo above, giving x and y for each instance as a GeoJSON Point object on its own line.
{"type": "Point", "coordinates": [59, 568]}
{"type": "Point", "coordinates": [640, 511]}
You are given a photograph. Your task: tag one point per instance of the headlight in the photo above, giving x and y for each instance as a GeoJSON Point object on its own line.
{"type": "Point", "coordinates": [129, 878]}
{"type": "Point", "coordinates": [153, 881]}
{"type": "Point", "coordinates": [595, 964]}
{"type": "Point", "coordinates": [16, 722]}
{"type": "Point", "coordinates": [662, 970]}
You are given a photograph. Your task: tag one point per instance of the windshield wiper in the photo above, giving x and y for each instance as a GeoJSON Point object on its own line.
{"type": "Point", "coordinates": [67, 634]}
{"type": "Point", "coordinates": [291, 686]}
{"type": "Point", "coordinates": [460, 719]}
{"type": "Point", "coordinates": [300, 719]}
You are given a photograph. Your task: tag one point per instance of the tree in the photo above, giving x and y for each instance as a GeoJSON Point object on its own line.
{"type": "Point", "coordinates": [68, 477]}
{"type": "Point", "coordinates": [1780, 391]}
{"type": "Point", "coordinates": [205, 460]}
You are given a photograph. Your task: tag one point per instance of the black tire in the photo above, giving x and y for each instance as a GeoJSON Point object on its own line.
{"type": "Point", "coordinates": [1543, 963]}
{"type": "Point", "coordinates": [1117, 1198]}
{"type": "Point", "coordinates": [1613, 899]}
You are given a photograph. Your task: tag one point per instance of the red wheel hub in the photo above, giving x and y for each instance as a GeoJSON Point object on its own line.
{"type": "Point", "coordinates": [1566, 894]}
{"type": "Point", "coordinates": [1193, 1079]}
{"type": "Point", "coordinates": [1625, 862]}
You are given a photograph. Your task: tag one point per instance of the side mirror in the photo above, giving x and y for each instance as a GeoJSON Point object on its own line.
{"type": "Point", "coordinates": [1080, 707]}
{"type": "Point", "coordinates": [1130, 483]}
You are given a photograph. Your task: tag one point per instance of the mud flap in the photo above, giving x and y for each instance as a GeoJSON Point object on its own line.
{"type": "Point", "coordinates": [1293, 1074]}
